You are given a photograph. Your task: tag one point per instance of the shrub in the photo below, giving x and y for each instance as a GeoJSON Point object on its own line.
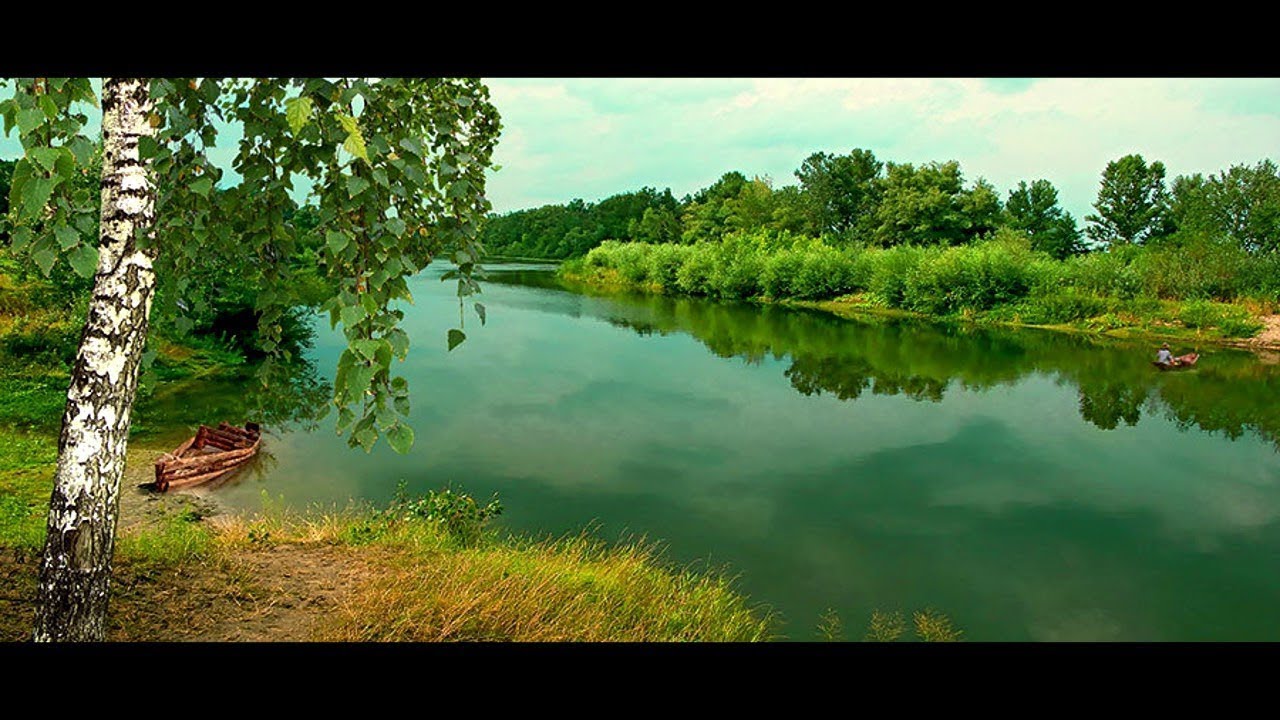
{"type": "Point", "coordinates": [456, 513]}
{"type": "Point", "coordinates": [1066, 305]}
{"type": "Point", "coordinates": [664, 263]}
{"type": "Point", "coordinates": [889, 269]}
{"type": "Point", "coordinates": [694, 275]}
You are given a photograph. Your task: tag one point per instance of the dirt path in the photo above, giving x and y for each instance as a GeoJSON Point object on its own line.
{"type": "Point", "coordinates": [301, 584]}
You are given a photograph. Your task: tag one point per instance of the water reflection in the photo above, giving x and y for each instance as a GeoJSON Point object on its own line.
{"type": "Point", "coordinates": [280, 396]}
{"type": "Point", "coordinates": [1230, 392]}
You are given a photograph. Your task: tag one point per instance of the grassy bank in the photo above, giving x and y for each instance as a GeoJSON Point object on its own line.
{"type": "Point", "coordinates": [1200, 292]}
{"type": "Point", "coordinates": [422, 570]}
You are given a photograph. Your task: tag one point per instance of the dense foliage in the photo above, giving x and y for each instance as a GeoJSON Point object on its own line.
{"type": "Point", "coordinates": [856, 200]}
{"type": "Point", "coordinates": [1002, 274]}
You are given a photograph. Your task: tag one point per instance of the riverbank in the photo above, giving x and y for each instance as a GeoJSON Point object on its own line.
{"type": "Point", "coordinates": [185, 570]}
{"type": "Point", "coordinates": [998, 282]}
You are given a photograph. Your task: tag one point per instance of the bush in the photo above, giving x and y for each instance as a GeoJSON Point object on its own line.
{"type": "Point", "coordinates": [1230, 320]}
{"type": "Point", "coordinates": [1195, 268]}
{"type": "Point", "coordinates": [694, 275]}
{"type": "Point", "coordinates": [37, 336]}
{"type": "Point", "coordinates": [780, 272]}
{"type": "Point", "coordinates": [1104, 273]}
{"type": "Point", "coordinates": [456, 513]}
{"type": "Point", "coordinates": [664, 263]}
{"type": "Point", "coordinates": [1066, 305]}
{"type": "Point", "coordinates": [888, 271]}
{"type": "Point", "coordinates": [976, 277]}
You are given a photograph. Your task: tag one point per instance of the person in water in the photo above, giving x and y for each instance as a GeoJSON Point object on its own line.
{"type": "Point", "coordinates": [1164, 357]}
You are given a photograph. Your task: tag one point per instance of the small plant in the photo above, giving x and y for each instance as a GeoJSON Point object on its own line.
{"type": "Point", "coordinates": [930, 626]}
{"type": "Point", "coordinates": [457, 513]}
{"type": "Point", "coordinates": [830, 626]}
{"type": "Point", "coordinates": [885, 627]}
{"type": "Point", "coordinates": [259, 538]}
{"type": "Point", "coordinates": [933, 626]}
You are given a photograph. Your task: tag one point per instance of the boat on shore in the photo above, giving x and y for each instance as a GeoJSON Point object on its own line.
{"type": "Point", "coordinates": [1178, 363]}
{"type": "Point", "coordinates": [212, 454]}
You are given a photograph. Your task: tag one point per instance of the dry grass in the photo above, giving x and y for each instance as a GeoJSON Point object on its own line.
{"type": "Point", "coordinates": [424, 585]}
{"type": "Point", "coordinates": [568, 590]}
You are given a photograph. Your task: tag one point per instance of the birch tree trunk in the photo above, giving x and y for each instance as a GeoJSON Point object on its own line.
{"type": "Point", "coordinates": [76, 567]}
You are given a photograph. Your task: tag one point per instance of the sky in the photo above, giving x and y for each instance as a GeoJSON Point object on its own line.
{"type": "Point", "coordinates": [594, 137]}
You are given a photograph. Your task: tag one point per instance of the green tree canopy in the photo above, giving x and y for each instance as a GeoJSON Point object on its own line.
{"type": "Point", "coordinates": [840, 191]}
{"type": "Point", "coordinates": [1132, 203]}
{"type": "Point", "coordinates": [1034, 210]}
{"type": "Point", "coordinates": [1242, 203]}
{"type": "Point", "coordinates": [928, 205]}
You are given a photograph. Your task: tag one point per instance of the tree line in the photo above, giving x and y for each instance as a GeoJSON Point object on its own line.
{"type": "Point", "coordinates": [856, 199]}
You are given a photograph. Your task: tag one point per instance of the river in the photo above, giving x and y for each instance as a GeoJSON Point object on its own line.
{"type": "Point", "coordinates": [1028, 484]}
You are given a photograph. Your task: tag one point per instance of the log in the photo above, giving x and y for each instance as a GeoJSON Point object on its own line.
{"type": "Point", "coordinates": [202, 460]}
{"type": "Point", "coordinates": [236, 432]}
{"type": "Point", "coordinates": [198, 479]}
{"type": "Point", "coordinates": [209, 460]}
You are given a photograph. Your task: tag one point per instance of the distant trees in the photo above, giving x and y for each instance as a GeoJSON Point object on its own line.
{"type": "Point", "coordinates": [1033, 210]}
{"type": "Point", "coordinates": [1132, 204]}
{"type": "Point", "coordinates": [857, 199]}
{"type": "Point", "coordinates": [1242, 204]}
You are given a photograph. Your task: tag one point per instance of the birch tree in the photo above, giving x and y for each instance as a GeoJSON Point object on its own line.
{"type": "Point", "coordinates": [397, 169]}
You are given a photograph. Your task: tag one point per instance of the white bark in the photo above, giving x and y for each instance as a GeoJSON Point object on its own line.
{"type": "Point", "coordinates": [76, 568]}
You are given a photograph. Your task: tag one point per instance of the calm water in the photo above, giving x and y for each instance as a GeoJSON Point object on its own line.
{"type": "Point", "coordinates": [1031, 485]}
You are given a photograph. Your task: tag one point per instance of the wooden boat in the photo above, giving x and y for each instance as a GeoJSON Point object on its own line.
{"type": "Point", "coordinates": [212, 454]}
{"type": "Point", "coordinates": [1182, 361]}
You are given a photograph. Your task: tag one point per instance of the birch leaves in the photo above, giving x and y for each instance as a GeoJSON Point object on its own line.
{"type": "Point", "coordinates": [395, 167]}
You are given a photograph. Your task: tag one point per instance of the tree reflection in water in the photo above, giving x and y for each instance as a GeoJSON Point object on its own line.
{"type": "Point", "coordinates": [1229, 392]}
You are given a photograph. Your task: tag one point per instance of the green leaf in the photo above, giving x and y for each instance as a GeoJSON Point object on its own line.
{"type": "Point", "coordinates": [354, 144]}
{"type": "Point", "coordinates": [336, 241]}
{"type": "Point", "coordinates": [366, 438]}
{"type": "Point", "coordinates": [65, 165]}
{"type": "Point", "coordinates": [45, 257]}
{"type": "Point", "coordinates": [29, 120]}
{"type": "Point", "coordinates": [455, 338]}
{"type": "Point", "coordinates": [201, 186]}
{"type": "Point", "coordinates": [459, 189]}
{"type": "Point", "coordinates": [44, 157]}
{"type": "Point", "coordinates": [396, 226]}
{"type": "Point", "coordinates": [358, 379]}
{"type": "Point", "coordinates": [48, 107]}
{"type": "Point", "coordinates": [352, 314]}
{"type": "Point", "coordinates": [356, 184]}
{"type": "Point", "coordinates": [348, 124]}
{"type": "Point", "coordinates": [345, 418]}
{"type": "Point", "coordinates": [401, 404]}
{"type": "Point", "coordinates": [366, 348]}
{"type": "Point", "coordinates": [399, 344]}
{"type": "Point", "coordinates": [400, 438]}
{"type": "Point", "coordinates": [399, 387]}
{"type": "Point", "coordinates": [480, 312]}
{"type": "Point", "coordinates": [84, 260]}
{"type": "Point", "coordinates": [19, 239]}
{"type": "Point", "coordinates": [83, 148]}
{"type": "Point", "coordinates": [36, 196]}
{"type": "Point", "coordinates": [67, 237]}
